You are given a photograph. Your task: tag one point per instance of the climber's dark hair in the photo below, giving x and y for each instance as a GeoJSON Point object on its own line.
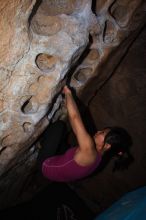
{"type": "Point", "coordinates": [120, 141]}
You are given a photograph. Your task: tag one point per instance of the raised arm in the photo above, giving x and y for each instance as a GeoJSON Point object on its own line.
{"type": "Point", "coordinates": [85, 141]}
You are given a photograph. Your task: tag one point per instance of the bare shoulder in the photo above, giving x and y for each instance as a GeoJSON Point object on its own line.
{"type": "Point", "coordinates": [86, 157]}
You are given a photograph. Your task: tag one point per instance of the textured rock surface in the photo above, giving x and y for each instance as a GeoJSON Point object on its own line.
{"type": "Point", "coordinates": [40, 43]}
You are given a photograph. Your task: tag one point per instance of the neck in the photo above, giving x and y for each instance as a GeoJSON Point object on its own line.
{"type": "Point", "coordinates": [102, 150]}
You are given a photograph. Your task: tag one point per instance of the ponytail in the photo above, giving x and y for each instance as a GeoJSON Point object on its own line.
{"type": "Point", "coordinates": [122, 161]}
{"type": "Point", "coordinates": [120, 142]}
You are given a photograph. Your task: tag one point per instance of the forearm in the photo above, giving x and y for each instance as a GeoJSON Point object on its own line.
{"type": "Point", "coordinates": [83, 138]}
{"type": "Point", "coordinates": [73, 112]}
{"type": "Point", "coordinates": [75, 118]}
{"type": "Point", "coordinates": [71, 106]}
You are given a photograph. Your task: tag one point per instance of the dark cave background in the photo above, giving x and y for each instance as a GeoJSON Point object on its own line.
{"type": "Point", "coordinates": [120, 101]}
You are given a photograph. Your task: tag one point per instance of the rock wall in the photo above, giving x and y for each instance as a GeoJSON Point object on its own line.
{"type": "Point", "coordinates": [43, 45]}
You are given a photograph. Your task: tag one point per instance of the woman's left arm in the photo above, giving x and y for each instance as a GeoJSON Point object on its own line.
{"type": "Point", "coordinates": [84, 139]}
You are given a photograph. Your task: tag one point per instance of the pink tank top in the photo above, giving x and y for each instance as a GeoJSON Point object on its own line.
{"type": "Point", "coordinates": [63, 168]}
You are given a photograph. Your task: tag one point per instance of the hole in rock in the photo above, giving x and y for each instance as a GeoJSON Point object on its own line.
{"type": "Point", "coordinates": [45, 62]}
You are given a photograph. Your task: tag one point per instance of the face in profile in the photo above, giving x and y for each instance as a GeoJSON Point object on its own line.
{"type": "Point", "coordinates": [99, 139]}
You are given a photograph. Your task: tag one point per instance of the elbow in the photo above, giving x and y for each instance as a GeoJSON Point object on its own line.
{"type": "Point", "coordinates": [74, 116]}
